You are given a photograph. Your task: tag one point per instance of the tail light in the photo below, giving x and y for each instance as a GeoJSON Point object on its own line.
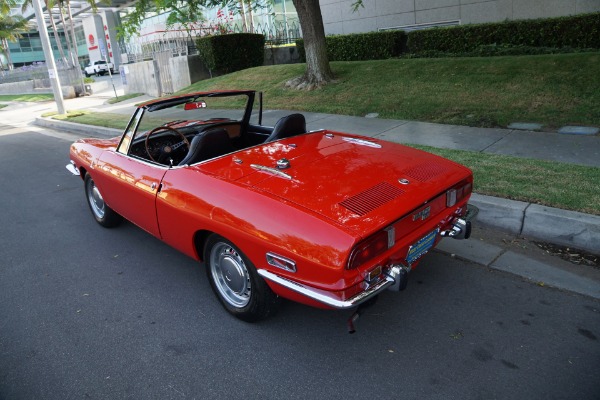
{"type": "Point", "coordinates": [458, 193]}
{"type": "Point", "coordinates": [368, 249]}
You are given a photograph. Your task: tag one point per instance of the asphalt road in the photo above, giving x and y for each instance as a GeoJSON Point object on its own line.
{"type": "Point", "coordinates": [93, 313]}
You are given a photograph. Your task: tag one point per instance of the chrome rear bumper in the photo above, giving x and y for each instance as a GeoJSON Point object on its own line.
{"type": "Point", "coordinates": [325, 297]}
{"type": "Point", "coordinates": [394, 278]}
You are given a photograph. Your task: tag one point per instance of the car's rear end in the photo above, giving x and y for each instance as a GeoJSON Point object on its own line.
{"type": "Point", "coordinates": [396, 202]}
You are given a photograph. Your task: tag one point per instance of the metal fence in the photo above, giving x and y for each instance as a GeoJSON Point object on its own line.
{"type": "Point", "coordinates": [277, 33]}
{"type": "Point", "coordinates": [38, 73]}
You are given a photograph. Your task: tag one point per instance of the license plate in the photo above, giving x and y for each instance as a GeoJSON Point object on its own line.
{"type": "Point", "coordinates": [421, 247]}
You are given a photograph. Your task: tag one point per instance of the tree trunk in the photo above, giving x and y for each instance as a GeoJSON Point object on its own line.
{"type": "Point", "coordinates": [56, 37]}
{"type": "Point", "coordinates": [318, 72]}
{"type": "Point", "coordinates": [66, 32]}
{"type": "Point", "coordinates": [72, 28]}
{"type": "Point", "coordinates": [7, 53]}
{"type": "Point", "coordinates": [251, 18]}
{"type": "Point", "coordinates": [243, 15]}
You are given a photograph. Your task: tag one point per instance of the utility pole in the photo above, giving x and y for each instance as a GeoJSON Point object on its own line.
{"type": "Point", "coordinates": [52, 72]}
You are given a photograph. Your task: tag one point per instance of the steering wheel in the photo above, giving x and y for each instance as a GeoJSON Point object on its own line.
{"type": "Point", "coordinates": [166, 150]}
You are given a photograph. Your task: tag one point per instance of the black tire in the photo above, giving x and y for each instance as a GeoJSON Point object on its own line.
{"type": "Point", "coordinates": [87, 75]}
{"type": "Point", "coordinates": [234, 280]}
{"type": "Point", "coordinates": [102, 213]}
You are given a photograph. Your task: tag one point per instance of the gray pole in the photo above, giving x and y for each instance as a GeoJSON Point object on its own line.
{"type": "Point", "coordinates": [52, 72]}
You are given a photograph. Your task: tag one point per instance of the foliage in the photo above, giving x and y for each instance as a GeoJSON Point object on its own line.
{"type": "Point", "coordinates": [361, 46]}
{"type": "Point", "coordinates": [5, 6]}
{"type": "Point", "coordinates": [580, 31]}
{"type": "Point", "coordinates": [184, 13]}
{"type": "Point", "coordinates": [11, 27]}
{"type": "Point", "coordinates": [494, 50]}
{"type": "Point", "coordinates": [233, 52]}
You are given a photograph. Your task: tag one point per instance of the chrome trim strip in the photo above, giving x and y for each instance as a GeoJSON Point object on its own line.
{"type": "Point", "coordinates": [325, 297]}
{"type": "Point", "coordinates": [362, 142]}
{"type": "Point", "coordinates": [72, 168]}
{"type": "Point", "coordinates": [269, 170]}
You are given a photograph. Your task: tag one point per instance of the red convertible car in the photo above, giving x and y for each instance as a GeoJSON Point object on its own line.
{"type": "Point", "coordinates": [324, 218]}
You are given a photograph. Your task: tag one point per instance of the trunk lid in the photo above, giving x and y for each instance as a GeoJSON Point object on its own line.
{"type": "Point", "coordinates": [359, 183]}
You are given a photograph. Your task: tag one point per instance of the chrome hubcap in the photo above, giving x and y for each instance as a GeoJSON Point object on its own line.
{"type": "Point", "coordinates": [95, 199]}
{"type": "Point", "coordinates": [230, 275]}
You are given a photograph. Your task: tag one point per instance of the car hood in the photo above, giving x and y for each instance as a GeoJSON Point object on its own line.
{"type": "Point", "coordinates": [359, 183]}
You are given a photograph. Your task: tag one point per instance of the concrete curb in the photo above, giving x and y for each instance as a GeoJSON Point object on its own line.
{"type": "Point", "coordinates": [73, 127]}
{"type": "Point", "coordinates": [568, 228]}
{"type": "Point", "coordinates": [497, 258]}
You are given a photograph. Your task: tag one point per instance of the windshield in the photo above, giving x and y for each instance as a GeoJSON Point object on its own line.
{"type": "Point", "coordinates": [194, 113]}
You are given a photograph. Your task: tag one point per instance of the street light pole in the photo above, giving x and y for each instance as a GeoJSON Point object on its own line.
{"type": "Point", "coordinates": [52, 72]}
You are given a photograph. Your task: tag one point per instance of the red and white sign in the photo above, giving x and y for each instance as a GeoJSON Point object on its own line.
{"type": "Point", "coordinates": [92, 41]}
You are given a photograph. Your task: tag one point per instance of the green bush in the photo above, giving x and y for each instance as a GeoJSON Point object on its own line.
{"type": "Point", "coordinates": [361, 46]}
{"type": "Point", "coordinates": [492, 50]}
{"type": "Point", "coordinates": [233, 52]}
{"type": "Point", "coordinates": [577, 32]}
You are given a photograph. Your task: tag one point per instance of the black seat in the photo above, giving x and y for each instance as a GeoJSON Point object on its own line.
{"type": "Point", "coordinates": [207, 145]}
{"type": "Point", "coordinates": [291, 125]}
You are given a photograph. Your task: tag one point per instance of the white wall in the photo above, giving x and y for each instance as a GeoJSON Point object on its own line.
{"type": "Point", "coordinates": [338, 17]}
{"type": "Point", "coordinates": [141, 78]}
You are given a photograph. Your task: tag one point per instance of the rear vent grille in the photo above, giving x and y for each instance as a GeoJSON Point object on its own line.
{"type": "Point", "coordinates": [373, 198]}
{"type": "Point", "coordinates": [424, 172]}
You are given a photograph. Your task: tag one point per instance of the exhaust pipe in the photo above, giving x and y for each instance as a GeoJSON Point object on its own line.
{"type": "Point", "coordinates": [461, 229]}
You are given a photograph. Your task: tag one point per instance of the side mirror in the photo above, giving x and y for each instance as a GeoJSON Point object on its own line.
{"type": "Point", "coordinates": [194, 105]}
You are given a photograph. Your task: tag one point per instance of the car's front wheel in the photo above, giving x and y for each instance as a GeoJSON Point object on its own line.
{"type": "Point", "coordinates": [235, 281]}
{"type": "Point", "coordinates": [103, 214]}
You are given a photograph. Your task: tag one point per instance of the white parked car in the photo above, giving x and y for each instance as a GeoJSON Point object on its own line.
{"type": "Point", "coordinates": [98, 68]}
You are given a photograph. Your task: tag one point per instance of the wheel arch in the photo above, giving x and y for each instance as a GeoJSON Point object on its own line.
{"type": "Point", "coordinates": [82, 173]}
{"type": "Point", "coordinates": [200, 238]}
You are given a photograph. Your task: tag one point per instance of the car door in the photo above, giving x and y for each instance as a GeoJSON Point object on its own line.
{"type": "Point", "coordinates": [129, 186]}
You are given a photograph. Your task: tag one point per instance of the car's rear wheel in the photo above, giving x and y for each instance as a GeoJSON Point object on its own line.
{"type": "Point", "coordinates": [235, 281]}
{"type": "Point", "coordinates": [102, 213]}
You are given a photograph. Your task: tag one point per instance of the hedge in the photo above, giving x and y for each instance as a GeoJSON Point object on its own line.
{"type": "Point", "coordinates": [361, 46]}
{"type": "Point", "coordinates": [577, 32]}
{"type": "Point", "coordinates": [231, 52]}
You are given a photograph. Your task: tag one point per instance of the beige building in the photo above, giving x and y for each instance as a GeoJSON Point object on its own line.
{"type": "Point", "coordinates": [339, 18]}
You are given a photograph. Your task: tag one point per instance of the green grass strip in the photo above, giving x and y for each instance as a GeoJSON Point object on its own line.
{"type": "Point", "coordinates": [553, 90]}
{"type": "Point", "coordinates": [27, 97]}
{"type": "Point", "coordinates": [551, 183]}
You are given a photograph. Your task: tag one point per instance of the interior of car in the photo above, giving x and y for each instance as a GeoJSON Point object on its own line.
{"type": "Point", "coordinates": [178, 143]}
{"type": "Point", "coordinates": [185, 130]}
